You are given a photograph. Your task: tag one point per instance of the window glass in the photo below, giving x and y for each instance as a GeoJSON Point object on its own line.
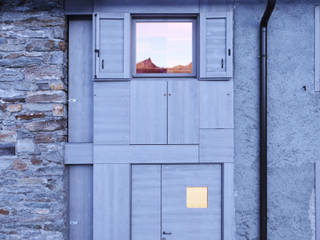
{"type": "Point", "coordinates": [164, 47]}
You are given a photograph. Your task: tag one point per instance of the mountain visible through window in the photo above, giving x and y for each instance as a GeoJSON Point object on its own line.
{"type": "Point", "coordinates": [164, 47]}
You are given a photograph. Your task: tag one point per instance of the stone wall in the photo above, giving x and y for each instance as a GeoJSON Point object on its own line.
{"type": "Point", "coordinates": [33, 122]}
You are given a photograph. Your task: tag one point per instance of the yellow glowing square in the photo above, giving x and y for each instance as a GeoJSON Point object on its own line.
{"type": "Point", "coordinates": [197, 197]}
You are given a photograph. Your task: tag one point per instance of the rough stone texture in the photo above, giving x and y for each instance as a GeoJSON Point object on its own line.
{"type": "Point", "coordinates": [33, 202]}
{"type": "Point", "coordinates": [293, 120]}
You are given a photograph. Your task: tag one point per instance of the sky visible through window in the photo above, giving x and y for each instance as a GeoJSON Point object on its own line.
{"type": "Point", "coordinates": [164, 47]}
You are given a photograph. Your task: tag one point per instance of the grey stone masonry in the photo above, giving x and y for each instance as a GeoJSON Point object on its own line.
{"type": "Point", "coordinates": [33, 129]}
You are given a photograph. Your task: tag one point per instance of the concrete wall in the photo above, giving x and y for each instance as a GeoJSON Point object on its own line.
{"type": "Point", "coordinates": [32, 120]}
{"type": "Point", "coordinates": [293, 115]}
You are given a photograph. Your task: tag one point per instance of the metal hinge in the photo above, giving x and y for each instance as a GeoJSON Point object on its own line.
{"type": "Point", "coordinates": [97, 51]}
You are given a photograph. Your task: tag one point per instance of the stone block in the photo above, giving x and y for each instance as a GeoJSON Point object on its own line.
{"type": "Point", "coordinates": [25, 145]}
{"type": "Point", "coordinates": [49, 125]}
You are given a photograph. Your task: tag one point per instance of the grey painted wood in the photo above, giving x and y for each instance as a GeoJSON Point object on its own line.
{"type": "Point", "coordinates": [78, 7]}
{"type": "Point", "coordinates": [146, 153]}
{"type": "Point", "coordinates": [147, 6]}
{"type": "Point", "coordinates": [78, 153]}
{"type": "Point", "coordinates": [111, 112]}
{"type": "Point", "coordinates": [183, 112]}
{"type": "Point", "coordinates": [111, 203]}
{"type": "Point", "coordinates": [80, 203]}
{"type": "Point", "coordinates": [216, 50]}
{"type": "Point", "coordinates": [80, 87]}
{"type": "Point", "coordinates": [228, 202]}
{"type": "Point", "coordinates": [216, 104]}
{"type": "Point", "coordinates": [146, 202]}
{"type": "Point", "coordinates": [148, 112]}
{"type": "Point", "coordinates": [216, 145]}
{"type": "Point", "coordinates": [317, 48]}
{"type": "Point", "coordinates": [317, 201]}
{"type": "Point", "coordinates": [191, 223]}
{"type": "Point", "coordinates": [112, 39]}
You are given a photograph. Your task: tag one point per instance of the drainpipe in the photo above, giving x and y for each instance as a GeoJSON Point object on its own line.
{"type": "Point", "coordinates": [263, 121]}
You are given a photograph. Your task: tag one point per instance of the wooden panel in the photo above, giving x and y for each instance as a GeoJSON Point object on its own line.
{"type": "Point", "coordinates": [191, 223]}
{"type": "Point", "coordinates": [216, 145]}
{"type": "Point", "coordinates": [111, 209]}
{"type": "Point", "coordinates": [77, 7]}
{"type": "Point", "coordinates": [216, 51]}
{"type": "Point", "coordinates": [183, 112]}
{"type": "Point", "coordinates": [78, 153]}
{"type": "Point", "coordinates": [80, 202]}
{"type": "Point", "coordinates": [148, 123]}
{"type": "Point", "coordinates": [80, 87]}
{"type": "Point", "coordinates": [146, 202]}
{"type": "Point", "coordinates": [228, 202]}
{"type": "Point", "coordinates": [317, 201]}
{"type": "Point", "coordinates": [216, 104]}
{"type": "Point", "coordinates": [111, 112]}
{"type": "Point", "coordinates": [146, 154]}
{"type": "Point", "coordinates": [112, 39]}
{"type": "Point", "coordinates": [147, 6]}
{"type": "Point", "coordinates": [317, 49]}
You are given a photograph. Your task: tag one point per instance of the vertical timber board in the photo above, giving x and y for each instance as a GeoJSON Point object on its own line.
{"type": "Point", "coordinates": [317, 166]}
{"type": "Point", "coordinates": [111, 112]}
{"type": "Point", "coordinates": [216, 104]}
{"type": "Point", "coordinates": [112, 45]}
{"type": "Point", "coordinates": [111, 201]}
{"type": "Point", "coordinates": [183, 112]}
{"type": "Point", "coordinates": [317, 49]}
{"type": "Point", "coordinates": [80, 90]}
{"type": "Point", "coordinates": [228, 202]}
{"type": "Point", "coordinates": [148, 112]}
{"type": "Point", "coordinates": [146, 202]}
{"type": "Point", "coordinates": [216, 145]}
{"type": "Point", "coordinates": [80, 202]}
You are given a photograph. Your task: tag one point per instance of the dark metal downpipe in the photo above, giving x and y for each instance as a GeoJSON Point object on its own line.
{"type": "Point", "coordinates": [263, 121]}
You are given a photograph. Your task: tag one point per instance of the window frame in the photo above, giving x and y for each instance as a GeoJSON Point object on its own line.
{"type": "Point", "coordinates": [136, 19]}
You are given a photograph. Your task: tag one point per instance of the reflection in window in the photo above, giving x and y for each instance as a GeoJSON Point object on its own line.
{"type": "Point", "coordinates": [164, 47]}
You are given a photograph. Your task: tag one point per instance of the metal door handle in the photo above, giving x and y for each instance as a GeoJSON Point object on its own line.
{"type": "Point", "coordinates": [166, 233]}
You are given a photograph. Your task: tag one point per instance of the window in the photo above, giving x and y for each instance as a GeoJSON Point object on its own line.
{"type": "Point", "coordinates": [164, 47]}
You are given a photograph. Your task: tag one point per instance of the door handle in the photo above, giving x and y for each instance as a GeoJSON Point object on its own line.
{"type": "Point", "coordinates": [166, 233]}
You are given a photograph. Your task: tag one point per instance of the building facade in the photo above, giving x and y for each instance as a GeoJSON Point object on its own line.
{"type": "Point", "coordinates": [56, 123]}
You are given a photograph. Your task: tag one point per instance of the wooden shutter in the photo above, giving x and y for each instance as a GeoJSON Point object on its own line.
{"type": "Point", "coordinates": [216, 45]}
{"type": "Point", "coordinates": [112, 45]}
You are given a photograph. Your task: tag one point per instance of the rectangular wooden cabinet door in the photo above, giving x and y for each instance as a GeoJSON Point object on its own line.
{"type": "Point", "coordinates": [112, 45]}
{"type": "Point", "coordinates": [148, 112]}
{"type": "Point", "coordinates": [111, 112]}
{"type": "Point", "coordinates": [216, 46]}
{"type": "Point", "coordinates": [216, 104]}
{"type": "Point", "coordinates": [183, 112]}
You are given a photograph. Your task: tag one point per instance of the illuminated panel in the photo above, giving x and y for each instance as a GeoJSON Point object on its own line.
{"type": "Point", "coordinates": [197, 197]}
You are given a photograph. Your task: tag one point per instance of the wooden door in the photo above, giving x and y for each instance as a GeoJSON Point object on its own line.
{"type": "Point", "coordinates": [183, 112]}
{"type": "Point", "coordinates": [148, 112]}
{"type": "Point", "coordinates": [191, 202]}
